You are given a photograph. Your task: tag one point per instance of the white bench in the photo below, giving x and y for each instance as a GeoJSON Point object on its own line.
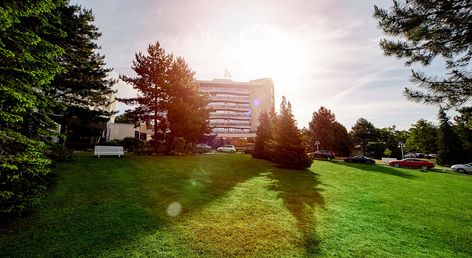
{"type": "Point", "coordinates": [108, 150]}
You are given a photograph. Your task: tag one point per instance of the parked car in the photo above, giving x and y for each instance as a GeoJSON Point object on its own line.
{"type": "Point", "coordinates": [226, 148]}
{"type": "Point", "coordinates": [360, 159]}
{"type": "Point", "coordinates": [203, 147]}
{"type": "Point", "coordinates": [322, 154]}
{"type": "Point", "coordinates": [412, 163]}
{"type": "Point", "coordinates": [463, 168]}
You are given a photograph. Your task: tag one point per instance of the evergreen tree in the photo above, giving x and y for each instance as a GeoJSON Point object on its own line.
{"type": "Point", "coordinates": [152, 84]}
{"type": "Point", "coordinates": [427, 29]}
{"type": "Point", "coordinates": [362, 133]}
{"type": "Point", "coordinates": [84, 89]}
{"type": "Point", "coordinates": [187, 112]}
{"type": "Point", "coordinates": [464, 129]}
{"type": "Point", "coordinates": [263, 135]}
{"type": "Point", "coordinates": [27, 68]}
{"type": "Point", "coordinates": [450, 149]}
{"type": "Point", "coordinates": [322, 128]}
{"type": "Point", "coordinates": [342, 143]}
{"type": "Point", "coordinates": [287, 147]}
{"type": "Point", "coordinates": [423, 137]}
{"type": "Point", "coordinates": [168, 98]}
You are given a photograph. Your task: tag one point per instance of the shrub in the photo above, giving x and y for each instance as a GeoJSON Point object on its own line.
{"type": "Point", "coordinates": [58, 153]}
{"type": "Point", "coordinates": [130, 143]}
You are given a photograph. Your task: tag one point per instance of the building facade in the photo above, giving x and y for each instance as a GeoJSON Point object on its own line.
{"type": "Point", "coordinates": [236, 106]}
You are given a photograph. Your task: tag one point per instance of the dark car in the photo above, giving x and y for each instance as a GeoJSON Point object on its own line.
{"type": "Point", "coordinates": [360, 159]}
{"type": "Point", "coordinates": [412, 163]}
{"type": "Point", "coordinates": [323, 154]}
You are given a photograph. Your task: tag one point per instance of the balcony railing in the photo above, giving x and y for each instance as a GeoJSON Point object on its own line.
{"type": "Point", "coordinates": [225, 98]}
{"type": "Point", "coordinates": [238, 107]}
{"type": "Point", "coordinates": [223, 124]}
{"type": "Point", "coordinates": [229, 90]}
{"type": "Point", "coordinates": [225, 115]}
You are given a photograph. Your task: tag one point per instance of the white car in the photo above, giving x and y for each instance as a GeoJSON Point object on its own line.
{"type": "Point", "coordinates": [463, 168]}
{"type": "Point", "coordinates": [226, 148]}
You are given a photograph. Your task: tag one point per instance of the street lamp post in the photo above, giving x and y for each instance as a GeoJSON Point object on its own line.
{"type": "Point", "coordinates": [401, 145]}
{"type": "Point", "coordinates": [317, 143]}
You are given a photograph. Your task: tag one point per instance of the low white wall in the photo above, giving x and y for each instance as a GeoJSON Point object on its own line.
{"type": "Point", "coordinates": [119, 131]}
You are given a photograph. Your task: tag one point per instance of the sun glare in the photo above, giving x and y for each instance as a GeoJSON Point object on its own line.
{"type": "Point", "coordinates": [265, 48]}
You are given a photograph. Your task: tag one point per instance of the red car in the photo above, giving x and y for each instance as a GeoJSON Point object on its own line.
{"type": "Point", "coordinates": [412, 163]}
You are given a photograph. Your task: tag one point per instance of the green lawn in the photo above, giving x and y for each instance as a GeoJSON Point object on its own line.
{"type": "Point", "coordinates": [233, 205]}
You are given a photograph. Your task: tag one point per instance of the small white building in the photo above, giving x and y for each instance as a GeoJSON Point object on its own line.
{"type": "Point", "coordinates": [119, 131]}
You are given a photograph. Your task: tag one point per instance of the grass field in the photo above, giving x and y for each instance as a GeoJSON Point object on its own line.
{"type": "Point", "coordinates": [233, 205]}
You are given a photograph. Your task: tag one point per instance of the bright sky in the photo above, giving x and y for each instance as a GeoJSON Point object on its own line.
{"type": "Point", "coordinates": [322, 52]}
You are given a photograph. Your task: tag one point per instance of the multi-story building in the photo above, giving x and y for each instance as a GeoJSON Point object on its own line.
{"type": "Point", "coordinates": [236, 106]}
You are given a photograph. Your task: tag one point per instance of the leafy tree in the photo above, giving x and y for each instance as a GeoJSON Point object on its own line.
{"type": "Point", "coordinates": [342, 143]}
{"type": "Point", "coordinates": [321, 128]}
{"type": "Point", "coordinates": [168, 99]}
{"type": "Point", "coordinates": [29, 64]}
{"type": "Point", "coordinates": [363, 132]}
{"type": "Point", "coordinates": [287, 147]}
{"type": "Point", "coordinates": [263, 135]}
{"type": "Point", "coordinates": [331, 134]}
{"type": "Point", "coordinates": [423, 137]}
{"type": "Point", "coordinates": [450, 148]}
{"type": "Point", "coordinates": [84, 89]}
{"type": "Point", "coordinates": [428, 29]}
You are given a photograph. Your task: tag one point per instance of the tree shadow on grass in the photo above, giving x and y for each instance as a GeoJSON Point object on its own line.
{"type": "Point", "coordinates": [378, 169]}
{"type": "Point", "coordinates": [90, 209]}
{"type": "Point", "coordinates": [301, 196]}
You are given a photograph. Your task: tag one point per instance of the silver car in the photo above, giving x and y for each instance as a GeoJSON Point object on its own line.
{"type": "Point", "coordinates": [226, 148]}
{"type": "Point", "coordinates": [463, 168]}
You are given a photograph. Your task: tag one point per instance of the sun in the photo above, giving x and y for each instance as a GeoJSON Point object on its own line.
{"type": "Point", "coordinates": [264, 50]}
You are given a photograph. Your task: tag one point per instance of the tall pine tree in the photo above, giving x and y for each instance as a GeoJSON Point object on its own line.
{"type": "Point", "coordinates": [29, 64]}
{"type": "Point", "coordinates": [263, 135]}
{"type": "Point", "coordinates": [84, 89]}
{"type": "Point", "coordinates": [287, 148]}
{"type": "Point", "coordinates": [426, 30]}
{"type": "Point", "coordinates": [450, 149]}
{"type": "Point", "coordinates": [168, 98]}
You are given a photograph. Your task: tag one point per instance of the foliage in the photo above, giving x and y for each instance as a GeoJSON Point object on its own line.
{"type": "Point", "coordinates": [331, 134]}
{"type": "Point", "coordinates": [363, 132]}
{"type": "Point", "coordinates": [58, 152]}
{"type": "Point", "coordinates": [464, 129]}
{"type": "Point", "coordinates": [450, 149]}
{"type": "Point", "coordinates": [342, 144]}
{"type": "Point", "coordinates": [28, 65]}
{"type": "Point", "coordinates": [124, 118]}
{"type": "Point", "coordinates": [130, 143]}
{"type": "Point", "coordinates": [426, 30]}
{"type": "Point", "coordinates": [168, 99]}
{"type": "Point", "coordinates": [286, 146]}
{"type": "Point", "coordinates": [321, 128]}
{"type": "Point", "coordinates": [84, 89]}
{"type": "Point", "coordinates": [423, 137]}
{"type": "Point", "coordinates": [263, 135]}
{"type": "Point", "coordinates": [388, 137]}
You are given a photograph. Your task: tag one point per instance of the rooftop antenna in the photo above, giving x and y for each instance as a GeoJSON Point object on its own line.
{"type": "Point", "coordinates": [227, 75]}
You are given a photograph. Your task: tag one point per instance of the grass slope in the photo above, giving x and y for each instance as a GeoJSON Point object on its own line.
{"type": "Point", "coordinates": [233, 205]}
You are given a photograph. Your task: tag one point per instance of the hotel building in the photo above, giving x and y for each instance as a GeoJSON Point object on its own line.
{"type": "Point", "coordinates": [236, 106]}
